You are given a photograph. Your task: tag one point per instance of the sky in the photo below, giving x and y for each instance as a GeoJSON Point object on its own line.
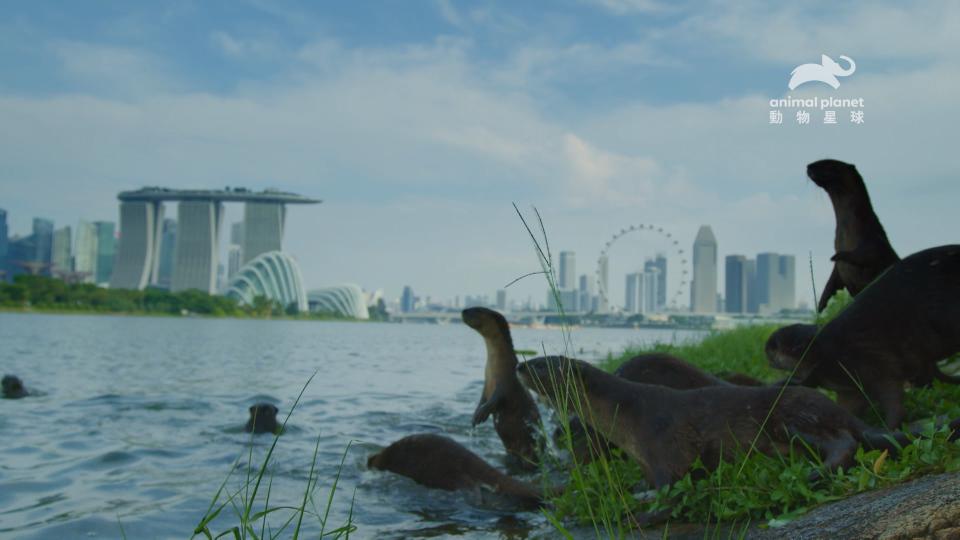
{"type": "Point", "coordinates": [421, 123]}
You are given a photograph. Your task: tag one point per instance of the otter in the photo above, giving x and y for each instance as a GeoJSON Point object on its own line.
{"type": "Point", "coordinates": [13, 387]}
{"type": "Point", "coordinates": [440, 462]}
{"type": "Point", "coordinates": [515, 415]}
{"type": "Point", "coordinates": [648, 368]}
{"type": "Point", "coordinates": [893, 332]}
{"type": "Point", "coordinates": [862, 250]}
{"type": "Point", "coordinates": [666, 430]}
{"type": "Point", "coordinates": [263, 419]}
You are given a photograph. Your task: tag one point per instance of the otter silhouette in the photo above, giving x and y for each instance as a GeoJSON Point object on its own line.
{"type": "Point", "coordinates": [13, 387]}
{"type": "Point", "coordinates": [263, 419]}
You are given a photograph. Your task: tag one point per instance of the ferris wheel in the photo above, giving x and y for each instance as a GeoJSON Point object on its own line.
{"type": "Point", "coordinates": [672, 251]}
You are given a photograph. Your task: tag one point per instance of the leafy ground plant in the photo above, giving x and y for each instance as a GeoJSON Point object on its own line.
{"type": "Point", "coordinates": [253, 517]}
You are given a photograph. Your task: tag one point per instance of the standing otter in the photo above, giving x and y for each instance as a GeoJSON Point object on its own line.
{"type": "Point", "coordinates": [263, 419]}
{"type": "Point", "coordinates": [440, 462]}
{"type": "Point", "coordinates": [13, 387]}
{"type": "Point", "coordinates": [862, 251]}
{"type": "Point", "coordinates": [895, 331]}
{"type": "Point", "coordinates": [666, 430]}
{"type": "Point", "coordinates": [515, 415]}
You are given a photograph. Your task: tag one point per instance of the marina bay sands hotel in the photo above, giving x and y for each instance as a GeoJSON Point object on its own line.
{"type": "Point", "coordinates": [200, 218]}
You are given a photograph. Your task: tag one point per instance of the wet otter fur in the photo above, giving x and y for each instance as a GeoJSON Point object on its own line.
{"type": "Point", "coordinates": [862, 250]}
{"type": "Point", "coordinates": [13, 387]}
{"type": "Point", "coordinates": [515, 415]}
{"type": "Point", "coordinates": [440, 462]}
{"type": "Point", "coordinates": [263, 419]}
{"type": "Point", "coordinates": [895, 331]}
{"type": "Point", "coordinates": [666, 430]}
{"type": "Point", "coordinates": [648, 368]}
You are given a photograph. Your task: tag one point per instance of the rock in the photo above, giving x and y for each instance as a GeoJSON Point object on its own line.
{"type": "Point", "coordinates": [927, 507]}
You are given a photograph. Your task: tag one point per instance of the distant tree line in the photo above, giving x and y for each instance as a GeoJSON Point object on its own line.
{"type": "Point", "coordinates": [46, 293]}
{"type": "Point", "coordinates": [42, 292]}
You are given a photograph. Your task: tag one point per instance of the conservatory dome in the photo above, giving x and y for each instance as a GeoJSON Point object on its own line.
{"type": "Point", "coordinates": [273, 274]}
{"type": "Point", "coordinates": [345, 300]}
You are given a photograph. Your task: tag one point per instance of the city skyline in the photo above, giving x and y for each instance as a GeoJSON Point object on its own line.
{"type": "Point", "coordinates": [582, 296]}
{"type": "Point", "coordinates": [420, 141]}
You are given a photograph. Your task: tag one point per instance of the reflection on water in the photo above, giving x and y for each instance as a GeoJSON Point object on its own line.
{"type": "Point", "coordinates": [137, 421]}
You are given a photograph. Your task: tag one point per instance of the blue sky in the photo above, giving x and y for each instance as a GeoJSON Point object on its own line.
{"type": "Point", "coordinates": [419, 123]}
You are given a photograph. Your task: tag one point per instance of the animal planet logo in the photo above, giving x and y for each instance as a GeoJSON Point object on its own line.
{"type": "Point", "coordinates": [826, 71]}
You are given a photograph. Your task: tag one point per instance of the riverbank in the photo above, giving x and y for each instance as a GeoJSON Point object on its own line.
{"type": "Point", "coordinates": [755, 488]}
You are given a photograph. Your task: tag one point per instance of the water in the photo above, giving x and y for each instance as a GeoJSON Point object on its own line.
{"type": "Point", "coordinates": [138, 421]}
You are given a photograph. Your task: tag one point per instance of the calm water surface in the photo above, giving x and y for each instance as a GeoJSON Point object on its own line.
{"type": "Point", "coordinates": [137, 421]}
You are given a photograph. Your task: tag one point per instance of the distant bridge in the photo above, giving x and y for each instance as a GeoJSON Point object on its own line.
{"type": "Point", "coordinates": [515, 317]}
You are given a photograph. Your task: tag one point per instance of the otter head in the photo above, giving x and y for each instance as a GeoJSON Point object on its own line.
{"type": "Point", "coordinates": [13, 387]}
{"type": "Point", "coordinates": [835, 176]}
{"type": "Point", "coordinates": [376, 461]}
{"type": "Point", "coordinates": [557, 379]}
{"type": "Point", "coordinates": [487, 322]}
{"type": "Point", "coordinates": [786, 346]}
{"type": "Point", "coordinates": [263, 419]}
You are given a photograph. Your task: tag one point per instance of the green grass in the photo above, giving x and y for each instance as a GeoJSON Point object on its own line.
{"type": "Point", "coordinates": [256, 519]}
{"type": "Point", "coordinates": [739, 350]}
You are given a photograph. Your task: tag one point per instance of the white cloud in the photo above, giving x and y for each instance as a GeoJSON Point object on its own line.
{"type": "Point", "coordinates": [113, 71]}
{"type": "Point", "coordinates": [628, 7]}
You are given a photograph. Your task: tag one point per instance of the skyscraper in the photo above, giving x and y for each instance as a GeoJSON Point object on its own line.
{"type": "Point", "coordinates": [234, 260]}
{"type": "Point", "coordinates": [263, 224]}
{"type": "Point", "coordinates": [197, 255]}
{"type": "Point", "coordinates": [168, 248]}
{"type": "Point", "coordinates": [703, 288]}
{"type": "Point", "coordinates": [776, 282]}
{"type": "Point", "coordinates": [3, 244]}
{"type": "Point", "coordinates": [407, 300]}
{"type": "Point", "coordinates": [788, 282]}
{"type": "Point", "coordinates": [140, 232]}
{"type": "Point", "coordinates": [736, 284]}
{"type": "Point", "coordinates": [634, 293]}
{"type": "Point", "coordinates": [568, 270]}
{"type": "Point", "coordinates": [85, 252]}
{"type": "Point", "coordinates": [43, 243]}
{"type": "Point", "coordinates": [586, 292]}
{"type": "Point", "coordinates": [106, 249]}
{"type": "Point", "coordinates": [659, 264]}
{"type": "Point", "coordinates": [501, 300]}
{"type": "Point", "coordinates": [60, 256]}
{"type": "Point", "coordinates": [651, 290]}
{"type": "Point", "coordinates": [603, 305]}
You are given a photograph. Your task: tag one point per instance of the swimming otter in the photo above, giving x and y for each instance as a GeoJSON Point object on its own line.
{"type": "Point", "coordinates": [13, 387]}
{"type": "Point", "coordinates": [895, 331]}
{"type": "Point", "coordinates": [263, 419]}
{"type": "Point", "coordinates": [515, 415]}
{"type": "Point", "coordinates": [862, 250]}
{"type": "Point", "coordinates": [440, 462]}
{"type": "Point", "coordinates": [666, 430]}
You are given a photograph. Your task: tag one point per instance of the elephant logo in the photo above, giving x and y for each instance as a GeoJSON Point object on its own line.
{"type": "Point", "coordinates": [826, 71]}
